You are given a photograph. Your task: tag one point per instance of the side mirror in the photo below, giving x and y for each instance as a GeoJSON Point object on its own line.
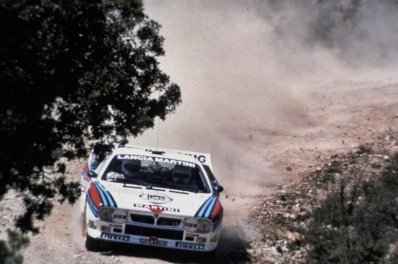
{"type": "Point", "coordinates": [218, 188]}
{"type": "Point", "coordinates": [92, 174]}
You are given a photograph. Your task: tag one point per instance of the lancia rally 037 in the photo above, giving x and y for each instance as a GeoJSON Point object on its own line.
{"type": "Point", "coordinates": [156, 197]}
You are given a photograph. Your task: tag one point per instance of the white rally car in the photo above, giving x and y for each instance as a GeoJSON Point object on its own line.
{"type": "Point", "coordinates": [157, 197]}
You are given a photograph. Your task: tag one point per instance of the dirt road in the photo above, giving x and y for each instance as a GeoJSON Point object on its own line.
{"type": "Point", "coordinates": [342, 119]}
{"type": "Point", "coordinates": [263, 105]}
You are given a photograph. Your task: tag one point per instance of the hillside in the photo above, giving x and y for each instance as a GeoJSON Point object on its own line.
{"type": "Point", "coordinates": [286, 215]}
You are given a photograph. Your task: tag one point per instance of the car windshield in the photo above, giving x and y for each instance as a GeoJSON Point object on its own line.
{"type": "Point", "coordinates": [156, 172]}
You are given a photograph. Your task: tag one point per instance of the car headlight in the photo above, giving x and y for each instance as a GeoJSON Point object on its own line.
{"type": "Point", "coordinates": [119, 216]}
{"type": "Point", "coordinates": [204, 225]}
{"type": "Point", "coordinates": [106, 214]}
{"type": "Point", "coordinates": [198, 225]}
{"type": "Point", "coordinates": [113, 215]}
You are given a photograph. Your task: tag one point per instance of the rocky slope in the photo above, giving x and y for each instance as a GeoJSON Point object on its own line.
{"type": "Point", "coordinates": [284, 215]}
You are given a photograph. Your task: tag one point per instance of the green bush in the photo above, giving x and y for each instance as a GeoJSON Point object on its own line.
{"type": "Point", "coordinates": [357, 223]}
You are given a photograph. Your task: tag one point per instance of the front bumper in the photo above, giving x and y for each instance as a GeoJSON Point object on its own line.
{"type": "Point", "coordinates": [152, 235]}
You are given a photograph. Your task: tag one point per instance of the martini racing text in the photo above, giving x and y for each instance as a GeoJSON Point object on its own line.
{"type": "Point", "coordinates": [157, 159]}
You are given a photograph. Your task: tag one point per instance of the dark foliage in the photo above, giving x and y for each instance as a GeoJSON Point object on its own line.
{"type": "Point", "coordinates": [72, 71]}
{"type": "Point", "coordinates": [9, 252]}
{"type": "Point", "coordinates": [358, 223]}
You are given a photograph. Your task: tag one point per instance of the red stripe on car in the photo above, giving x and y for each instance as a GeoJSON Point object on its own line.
{"type": "Point", "coordinates": [95, 196]}
{"type": "Point", "coordinates": [216, 210]}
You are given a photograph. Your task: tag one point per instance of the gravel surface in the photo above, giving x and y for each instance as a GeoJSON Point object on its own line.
{"type": "Point", "coordinates": [256, 223]}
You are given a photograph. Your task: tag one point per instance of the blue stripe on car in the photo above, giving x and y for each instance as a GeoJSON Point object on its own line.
{"type": "Point", "coordinates": [108, 196]}
{"type": "Point", "coordinates": [202, 210]}
{"type": "Point", "coordinates": [210, 207]}
{"type": "Point", "coordinates": [111, 200]}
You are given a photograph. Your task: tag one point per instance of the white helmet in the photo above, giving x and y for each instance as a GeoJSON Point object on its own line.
{"type": "Point", "coordinates": [130, 167]}
{"type": "Point", "coordinates": [182, 174]}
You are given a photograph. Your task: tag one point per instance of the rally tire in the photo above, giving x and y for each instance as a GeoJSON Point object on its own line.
{"type": "Point", "coordinates": [92, 244]}
{"type": "Point", "coordinates": [209, 256]}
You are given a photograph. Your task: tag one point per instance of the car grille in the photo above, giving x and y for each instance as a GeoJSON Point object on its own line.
{"type": "Point", "coordinates": [149, 219]}
{"type": "Point", "coordinates": [146, 219]}
{"type": "Point", "coordinates": [154, 232]}
{"type": "Point", "coordinates": [163, 221]}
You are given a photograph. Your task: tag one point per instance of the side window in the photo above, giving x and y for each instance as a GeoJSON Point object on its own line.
{"type": "Point", "coordinates": [212, 178]}
{"type": "Point", "coordinates": [114, 166]}
{"type": "Point", "coordinates": [200, 180]}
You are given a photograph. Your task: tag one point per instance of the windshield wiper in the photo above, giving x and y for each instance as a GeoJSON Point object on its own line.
{"type": "Point", "coordinates": [178, 191]}
{"type": "Point", "coordinates": [136, 182]}
{"type": "Point", "coordinates": [156, 188]}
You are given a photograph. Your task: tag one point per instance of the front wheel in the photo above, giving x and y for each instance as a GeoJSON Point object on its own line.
{"type": "Point", "coordinates": [92, 244]}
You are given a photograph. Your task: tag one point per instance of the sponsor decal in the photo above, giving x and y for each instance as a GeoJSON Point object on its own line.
{"type": "Point", "coordinates": [155, 198]}
{"type": "Point", "coordinates": [119, 216]}
{"type": "Point", "coordinates": [115, 237]}
{"type": "Point", "coordinates": [157, 159]}
{"type": "Point", "coordinates": [200, 158]}
{"type": "Point", "coordinates": [190, 246]}
{"type": "Point", "coordinates": [156, 208]}
{"type": "Point", "coordinates": [190, 224]}
{"type": "Point", "coordinates": [153, 242]}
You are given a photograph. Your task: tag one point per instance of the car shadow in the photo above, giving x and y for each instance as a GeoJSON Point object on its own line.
{"type": "Point", "coordinates": [232, 248]}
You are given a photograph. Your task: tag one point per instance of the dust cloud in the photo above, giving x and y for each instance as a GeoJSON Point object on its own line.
{"type": "Point", "coordinates": [249, 70]}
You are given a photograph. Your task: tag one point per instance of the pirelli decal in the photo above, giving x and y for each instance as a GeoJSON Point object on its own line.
{"type": "Point", "coordinates": [115, 237]}
{"type": "Point", "coordinates": [190, 246]}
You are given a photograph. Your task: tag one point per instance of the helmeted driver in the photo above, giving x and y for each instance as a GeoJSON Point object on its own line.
{"type": "Point", "coordinates": [130, 168]}
{"type": "Point", "coordinates": [182, 175]}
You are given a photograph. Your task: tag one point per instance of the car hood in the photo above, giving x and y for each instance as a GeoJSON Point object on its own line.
{"type": "Point", "coordinates": [156, 200]}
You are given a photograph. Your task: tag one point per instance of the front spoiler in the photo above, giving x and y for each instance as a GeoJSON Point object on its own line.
{"type": "Point", "coordinates": [151, 241]}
